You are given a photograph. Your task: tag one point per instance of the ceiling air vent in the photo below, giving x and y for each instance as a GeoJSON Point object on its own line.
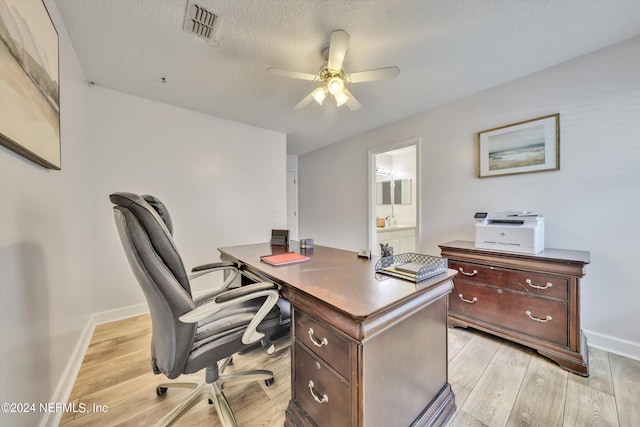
{"type": "Point", "coordinates": [200, 21]}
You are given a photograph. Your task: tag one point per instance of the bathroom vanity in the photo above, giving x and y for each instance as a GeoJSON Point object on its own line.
{"type": "Point", "coordinates": [401, 237]}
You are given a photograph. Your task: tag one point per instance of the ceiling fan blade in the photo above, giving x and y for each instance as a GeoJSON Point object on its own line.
{"type": "Point", "coordinates": [377, 74]}
{"type": "Point", "coordinates": [337, 50]}
{"type": "Point", "coordinates": [292, 74]}
{"type": "Point", "coordinates": [305, 101]}
{"type": "Point", "coordinates": [352, 102]}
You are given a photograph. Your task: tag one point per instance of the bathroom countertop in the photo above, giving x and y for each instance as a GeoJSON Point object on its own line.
{"type": "Point", "coordinates": [395, 228]}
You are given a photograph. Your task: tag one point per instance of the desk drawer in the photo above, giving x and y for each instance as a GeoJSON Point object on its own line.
{"type": "Point", "coordinates": [331, 348]}
{"type": "Point", "coordinates": [518, 281]}
{"type": "Point", "coordinates": [325, 397]}
{"type": "Point", "coordinates": [538, 317]}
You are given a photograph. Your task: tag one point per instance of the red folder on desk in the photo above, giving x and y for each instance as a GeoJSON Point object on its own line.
{"type": "Point", "coordinates": [284, 259]}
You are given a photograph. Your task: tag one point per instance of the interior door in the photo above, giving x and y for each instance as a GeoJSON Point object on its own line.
{"type": "Point", "coordinates": [292, 205]}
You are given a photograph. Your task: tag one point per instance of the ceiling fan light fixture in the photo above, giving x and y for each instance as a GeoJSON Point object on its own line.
{"type": "Point", "coordinates": [319, 94]}
{"type": "Point", "coordinates": [335, 85]}
{"type": "Point", "coordinates": [341, 98]}
{"type": "Point", "coordinates": [333, 78]}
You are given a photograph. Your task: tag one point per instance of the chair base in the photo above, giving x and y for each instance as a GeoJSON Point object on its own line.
{"type": "Point", "coordinates": [212, 391]}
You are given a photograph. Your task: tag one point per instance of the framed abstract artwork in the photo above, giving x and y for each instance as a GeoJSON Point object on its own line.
{"type": "Point", "coordinates": [29, 82]}
{"type": "Point", "coordinates": [529, 146]}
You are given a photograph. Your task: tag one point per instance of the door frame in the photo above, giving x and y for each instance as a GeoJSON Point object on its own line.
{"type": "Point", "coordinates": [372, 231]}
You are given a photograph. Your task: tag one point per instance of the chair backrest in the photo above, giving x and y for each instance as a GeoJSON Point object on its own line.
{"type": "Point", "coordinates": [145, 231]}
{"type": "Point", "coordinates": [161, 209]}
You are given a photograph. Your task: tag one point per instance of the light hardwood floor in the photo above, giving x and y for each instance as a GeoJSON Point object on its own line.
{"type": "Point", "coordinates": [496, 383]}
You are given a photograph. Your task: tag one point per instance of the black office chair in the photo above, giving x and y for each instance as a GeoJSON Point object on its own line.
{"type": "Point", "coordinates": [189, 335]}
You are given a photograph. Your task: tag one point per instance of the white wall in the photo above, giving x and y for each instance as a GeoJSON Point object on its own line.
{"type": "Point", "coordinates": [591, 203]}
{"type": "Point", "coordinates": [45, 252]}
{"type": "Point", "coordinates": [221, 181]}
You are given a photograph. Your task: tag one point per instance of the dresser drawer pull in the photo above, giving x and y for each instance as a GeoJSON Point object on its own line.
{"type": "Point", "coordinates": [323, 399]}
{"type": "Point", "coordinates": [548, 285]}
{"type": "Point", "coordinates": [315, 341]}
{"type": "Point", "coordinates": [468, 301]}
{"type": "Point", "coordinates": [473, 273]}
{"type": "Point", "coordinates": [537, 319]}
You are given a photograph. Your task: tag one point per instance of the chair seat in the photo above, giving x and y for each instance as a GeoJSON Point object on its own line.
{"type": "Point", "coordinates": [220, 335]}
{"type": "Point", "coordinates": [227, 321]}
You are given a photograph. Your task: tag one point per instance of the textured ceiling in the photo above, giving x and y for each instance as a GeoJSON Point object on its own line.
{"type": "Point", "coordinates": [445, 49]}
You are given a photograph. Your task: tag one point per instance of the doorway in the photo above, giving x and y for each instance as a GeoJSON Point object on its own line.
{"type": "Point", "coordinates": [394, 197]}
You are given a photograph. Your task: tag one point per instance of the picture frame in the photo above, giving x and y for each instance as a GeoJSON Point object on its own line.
{"type": "Point", "coordinates": [29, 82]}
{"type": "Point", "coordinates": [523, 147]}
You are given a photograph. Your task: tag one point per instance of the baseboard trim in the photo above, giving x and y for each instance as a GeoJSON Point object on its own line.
{"type": "Point", "coordinates": [63, 390]}
{"type": "Point", "coordinates": [614, 345]}
{"type": "Point", "coordinates": [119, 313]}
{"type": "Point", "coordinates": [65, 386]}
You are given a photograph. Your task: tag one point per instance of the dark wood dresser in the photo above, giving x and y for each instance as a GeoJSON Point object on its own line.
{"type": "Point", "coordinates": [530, 299]}
{"type": "Point", "coordinates": [367, 349]}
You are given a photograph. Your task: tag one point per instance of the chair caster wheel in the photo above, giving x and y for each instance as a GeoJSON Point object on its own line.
{"type": "Point", "coordinates": [269, 381]}
{"type": "Point", "coordinates": [271, 349]}
{"type": "Point", "coordinates": [210, 402]}
{"type": "Point", "coordinates": [161, 390]}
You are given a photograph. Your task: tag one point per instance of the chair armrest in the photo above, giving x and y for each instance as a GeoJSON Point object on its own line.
{"type": "Point", "coordinates": [215, 265]}
{"type": "Point", "coordinates": [201, 270]}
{"type": "Point", "coordinates": [238, 296]}
{"type": "Point", "coordinates": [244, 290]}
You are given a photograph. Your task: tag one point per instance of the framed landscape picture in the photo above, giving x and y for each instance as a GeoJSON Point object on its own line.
{"type": "Point", "coordinates": [529, 146]}
{"type": "Point", "coordinates": [29, 82]}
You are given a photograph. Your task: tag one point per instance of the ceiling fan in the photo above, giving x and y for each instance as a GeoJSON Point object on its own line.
{"type": "Point", "coordinates": [334, 78]}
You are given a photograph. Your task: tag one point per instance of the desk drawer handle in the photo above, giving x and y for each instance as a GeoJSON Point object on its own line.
{"type": "Point", "coordinates": [537, 319]}
{"type": "Point", "coordinates": [315, 341]}
{"type": "Point", "coordinates": [473, 273]}
{"type": "Point", "coordinates": [548, 285]}
{"type": "Point", "coordinates": [323, 399]}
{"type": "Point", "coordinates": [468, 301]}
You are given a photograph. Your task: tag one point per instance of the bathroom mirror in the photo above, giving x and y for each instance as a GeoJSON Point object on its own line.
{"type": "Point", "coordinates": [400, 193]}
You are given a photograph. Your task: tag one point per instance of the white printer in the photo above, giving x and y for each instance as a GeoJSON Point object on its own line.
{"type": "Point", "coordinates": [510, 231]}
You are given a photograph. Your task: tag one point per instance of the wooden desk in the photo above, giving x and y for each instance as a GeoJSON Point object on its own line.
{"type": "Point", "coordinates": [368, 349]}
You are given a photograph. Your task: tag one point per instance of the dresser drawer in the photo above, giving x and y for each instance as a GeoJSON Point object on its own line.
{"type": "Point", "coordinates": [538, 317]}
{"type": "Point", "coordinates": [324, 396]}
{"type": "Point", "coordinates": [331, 348]}
{"type": "Point", "coordinates": [519, 281]}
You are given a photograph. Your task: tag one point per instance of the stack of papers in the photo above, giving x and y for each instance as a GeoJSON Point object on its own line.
{"type": "Point", "coordinates": [410, 267]}
{"type": "Point", "coordinates": [407, 269]}
{"type": "Point", "coordinates": [412, 270]}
